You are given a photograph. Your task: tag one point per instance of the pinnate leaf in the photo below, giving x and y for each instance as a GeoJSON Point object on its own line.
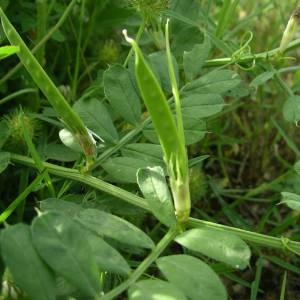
{"type": "Point", "coordinates": [27, 268]}
{"type": "Point", "coordinates": [62, 243]}
{"type": "Point", "coordinates": [113, 227]}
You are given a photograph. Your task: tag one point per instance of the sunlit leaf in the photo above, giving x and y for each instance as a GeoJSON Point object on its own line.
{"type": "Point", "coordinates": [291, 200]}
{"type": "Point", "coordinates": [153, 289]}
{"type": "Point", "coordinates": [222, 246]}
{"type": "Point", "coordinates": [6, 51]}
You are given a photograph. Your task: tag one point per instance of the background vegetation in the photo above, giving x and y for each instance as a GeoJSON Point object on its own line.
{"type": "Point", "coordinates": [241, 158]}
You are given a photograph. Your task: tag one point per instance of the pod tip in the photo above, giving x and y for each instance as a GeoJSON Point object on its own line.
{"type": "Point", "coordinates": [127, 38]}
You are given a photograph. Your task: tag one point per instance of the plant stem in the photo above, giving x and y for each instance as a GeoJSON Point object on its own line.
{"type": "Point", "coordinates": [160, 247]}
{"type": "Point", "coordinates": [78, 52]}
{"type": "Point", "coordinates": [42, 17]}
{"type": "Point", "coordinates": [85, 179]}
{"type": "Point", "coordinates": [257, 238]}
{"type": "Point", "coordinates": [266, 55]}
{"type": "Point", "coordinates": [17, 94]}
{"type": "Point", "coordinates": [253, 237]}
{"type": "Point", "coordinates": [11, 208]}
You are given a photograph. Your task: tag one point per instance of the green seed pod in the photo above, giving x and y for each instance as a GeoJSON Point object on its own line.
{"type": "Point", "coordinates": [165, 126]}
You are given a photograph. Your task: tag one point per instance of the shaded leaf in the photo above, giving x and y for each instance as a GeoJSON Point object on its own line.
{"type": "Point", "coordinates": [148, 152]}
{"type": "Point", "coordinates": [29, 271]}
{"type": "Point", "coordinates": [120, 91]}
{"type": "Point", "coordinates": [61, 242]}
{"type": "Point", "coordinates": [194, 60]}
{"type": "Point", "coordinates": [291, 109]}
{"type": "Point", "coordinates": [96, 117]}
{"type": "Point", "coordinates": [297, 167]}
{"type": "Point", "coordinates": [185, 38]}
{"type": "Point", "coordinates": [262, 78]}
{"type": "Point", "coordinates": [201, 106]}
{"type": "Point", "coordinates": [108, 258]}
{"type": "Point", "coordinates": [152, 289]}
{"type": "Point", "coordinates": [60, 153]}
{"type": "Point", "coordinates": [123, 169]}
{"type": "Point", "coordinates": [157, 61]}
{"type": "Point", "coordinates": [153, 185]}
{"type": "Point", "coordinates": [291, 200]}
{"type": "Point", "coordinates": [193, 277]}
{"type": "Point", "coordinates": [217, 82]}
{"type": "Point", "coordinates": [221, 246]}
{"type": "Point", "coordinates": [4, 160]}
{"type": "Point", "coordinates": [194, 130]}
{"type": "Point", "coordinates": [67, 207]}
{"type": "Point", "coordinates": [107, 225]}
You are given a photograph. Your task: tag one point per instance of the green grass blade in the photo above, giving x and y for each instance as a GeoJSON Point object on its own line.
{"type": "Point", "coordinates": [255, 283]}
{"type": "Point", "coordinates": [12, 207]}
{"type": "Point", "coordinates": [35, 156]}
{"type": "Point", "coordinates": [283, 286]}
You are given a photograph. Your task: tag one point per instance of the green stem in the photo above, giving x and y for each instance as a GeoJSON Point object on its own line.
{"type": "Point", "coordinates": [42, 16]}
{"type": "Point", "coordinates": [11, 208]}
{"type": "Point", "coordinates": [160, 247]}
{"type": "Point", "coordinates": [78, 52]}
{"type": "Point", "coordinates": [259, 239]}
{"type": "Point", "coordinates": [36, 157]}
{"type": "Point", "coordinates": [64, 16]}
{"type": "Point", "coordinates": [17, 94]}
{"type": "Point", "coordinates": [24, 182]}
{"type": "Point", "coordinates": [253, 237]}
{"type": "Point", "coordinates": [85, 179]}
{"type": "Point", "coordinates": [264, 56]}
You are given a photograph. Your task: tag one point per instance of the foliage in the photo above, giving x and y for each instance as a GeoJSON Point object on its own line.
{"type": "Point", "coordinates": [151, 165]}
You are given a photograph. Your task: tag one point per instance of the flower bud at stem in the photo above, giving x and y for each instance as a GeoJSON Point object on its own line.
{"type": "Point", "coordinates": [289, 31]}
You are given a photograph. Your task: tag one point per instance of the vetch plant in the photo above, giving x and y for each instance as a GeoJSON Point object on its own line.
{"type": "Point", "coordinates": [127, 228]}
{"type": "Point", "coordinates": [170, 134]}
